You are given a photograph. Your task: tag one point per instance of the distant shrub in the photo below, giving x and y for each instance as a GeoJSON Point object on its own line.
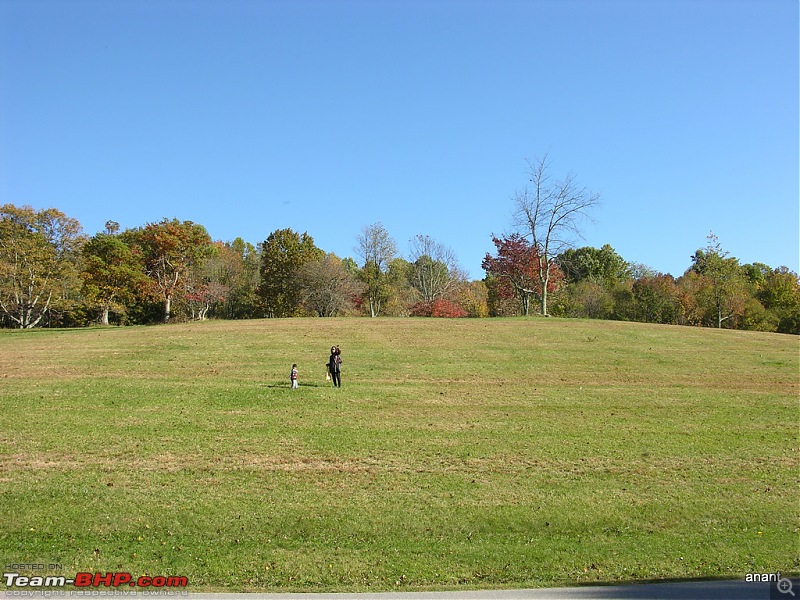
{"type": "Point", "coordinates": [438, 308]}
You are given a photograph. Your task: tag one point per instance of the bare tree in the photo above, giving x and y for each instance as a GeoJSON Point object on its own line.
{"type": "Point", "coordinates": [376, 248]}
{"type": "Point", "coordinates": [550, 213]}
{"type": "Point", "coordinates": [434, 270]}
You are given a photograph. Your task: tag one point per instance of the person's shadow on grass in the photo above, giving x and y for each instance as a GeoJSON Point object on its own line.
{"type": "Point", "coordinates": [288, 386]}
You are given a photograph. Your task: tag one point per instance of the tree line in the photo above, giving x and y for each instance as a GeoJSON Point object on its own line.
{"type": "Point", "coordinates": [53, 275]}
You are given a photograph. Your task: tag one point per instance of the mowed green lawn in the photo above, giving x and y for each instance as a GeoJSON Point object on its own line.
{"type": "Point", "coordinates": [458, 453]}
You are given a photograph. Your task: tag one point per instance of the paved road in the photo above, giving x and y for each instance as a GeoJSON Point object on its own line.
{"type": "Point", "coordinates": [699, 590]}
{"type": "Point", "coordinates": [695, 590]}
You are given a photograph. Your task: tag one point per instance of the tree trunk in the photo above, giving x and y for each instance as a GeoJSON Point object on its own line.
{"type": "Point", "coordinates": [524, 298]}
{"type": "Point", "coordinates": [544, 300]}
{"type": "Point", "coordinates": [104, 317]}
{"type": "Point", "coordinates": [167, 307]}
{"type": "Point", "coordinates": [374, 305]}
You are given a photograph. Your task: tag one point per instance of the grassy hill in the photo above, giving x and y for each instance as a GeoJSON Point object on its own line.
{"type": "Point", "coordinates": [457, 454]}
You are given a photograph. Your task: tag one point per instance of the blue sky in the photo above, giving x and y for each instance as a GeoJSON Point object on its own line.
{"type": "Point", "coordinates": [325, 116]}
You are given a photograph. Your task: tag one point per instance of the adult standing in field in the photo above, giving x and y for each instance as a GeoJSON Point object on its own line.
{"type": "Point", "coordinates": [335, 366]}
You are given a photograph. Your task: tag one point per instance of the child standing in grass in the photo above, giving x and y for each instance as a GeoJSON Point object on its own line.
{"type": "Point", "coordinates": [294, 376]}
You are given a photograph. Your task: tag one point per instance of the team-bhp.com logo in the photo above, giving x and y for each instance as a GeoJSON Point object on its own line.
{"type": "Point", "coordinates": [87, 580]}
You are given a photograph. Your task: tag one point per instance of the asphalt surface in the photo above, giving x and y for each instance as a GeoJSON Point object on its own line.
{"type": "Point", "coordinates": [695, 590]}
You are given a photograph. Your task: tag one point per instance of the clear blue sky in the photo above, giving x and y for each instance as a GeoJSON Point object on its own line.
{"type": "Point", "coordinates": [326, 116]}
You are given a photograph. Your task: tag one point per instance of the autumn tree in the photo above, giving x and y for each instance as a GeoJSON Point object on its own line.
{"type": "Point", "coordinates": [473, 296]}
{"type": "Point", "coordinates": [656, 299]}
{"type": "Point", "coordinates": [39, 253]}
{"type": "Point", "coordinates": [203, 296]}
{"type": "Point", "coordinates": [327, 287]}
{"type": "Point", "coordinates": [112, 273]}
{"type": "Point", "coordinates": [203, 288]}
{"type": "Point", "coordinates": [399, 297]}
{"type": "Point", "coordinates": [517, 264]}
{"type": "Point", "coordinates": [688, 295]}
{"type": "Point", "coordinates": [440, 308]}
{"type": "Point", "coordinates": [780, 295]}
{"type": "Point", "coordinates": [585, 299]}
{"type": "Point", "coordinates": [501, 299]}
{"type": "Point", "coordinates": [549, 214]}
{"type": "Point", "coordinates": [376, 248]}
{"type": "Point", "coordinates": [234, 266]}
{"type": "Point", "coordinates": [434, 270]}
{"type": "Point", "coordinates": [283, 255]}
{"type": "Point", "coordinates": [724, 277]}
{"type": "Point", "coordinates": [171, 249]}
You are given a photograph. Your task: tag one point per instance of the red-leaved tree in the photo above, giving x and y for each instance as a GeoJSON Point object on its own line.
{"type": "Point", "coordinates": [517, 264]}
{"type": "Point", "coordinates": [204, 297]}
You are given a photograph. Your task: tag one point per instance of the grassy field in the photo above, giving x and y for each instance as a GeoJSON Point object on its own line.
{"type": "Point", "coordinates": [458, 453]}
